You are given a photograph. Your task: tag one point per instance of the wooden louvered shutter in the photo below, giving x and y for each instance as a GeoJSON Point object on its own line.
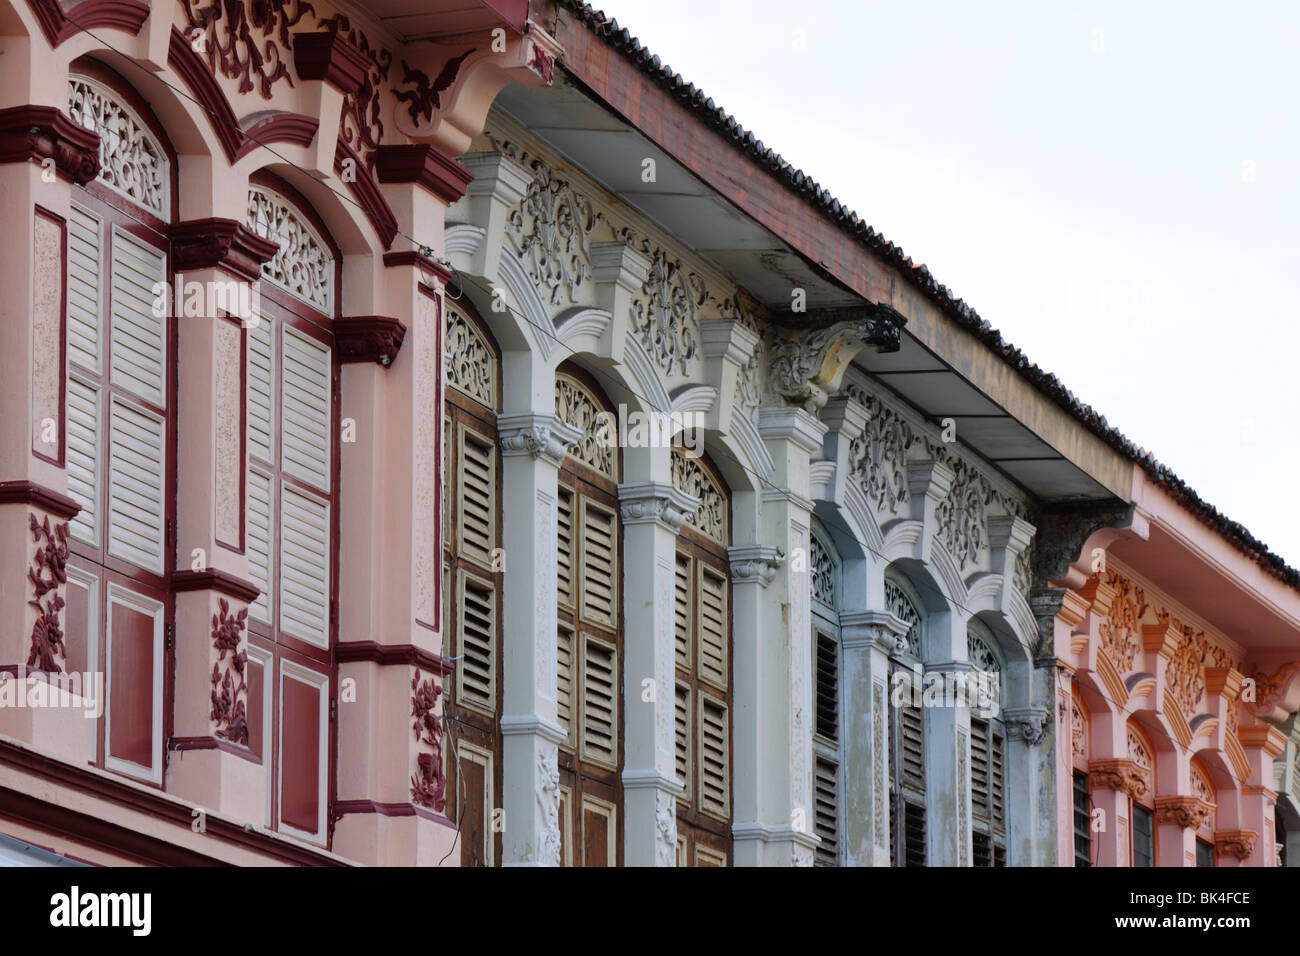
{"type": "Point", "coordinates": [827, 812]}
{"type": "Point", "coordinates": [564, 680]}
{"type": "Point", "coordinates": [682, 733]}
{"type": "Point", "coordinates": [476, 675]}
{"type": "Point", "coordinates": [599, 567]}
{"type": "Point", "coordinates": [599, 737]}
{"type": "Point", "coordinates": [564, 547]}
{"type": "Point", "coordinates": [828, 693]}
{"type": "Point", "coordinates": [713, 626]}
{"type": "Point", "coordinates": [682, 594]}
{"type": "Point", "coordinates": [476, 497]}
{"type": "Point", "coordinates": [907, 801]}
{"type": "Point", "coordinates": [715, 758]}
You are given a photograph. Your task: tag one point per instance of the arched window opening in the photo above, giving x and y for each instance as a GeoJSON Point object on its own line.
{"type": "Point", "coordinates": [472, 595]}
{"type": "Point", "coordinates": [1142, 836]}
{"type": "Point", "coordinates": [121, 423]}
{"type": "Point", "coordinates": [702, 641]}
{"type": "Point", "coordinates": [589, 639]}
{"type": "Point", "coordinates": [907, 812]}
{"type": "Point", "coordinates": [824, 584]}
{"type": "Point", "coordinates": [293, 383]}
{"type": "Point", "coordinates": [1203, 790]}
{"type": "Point", "coordinates": [988, 759]}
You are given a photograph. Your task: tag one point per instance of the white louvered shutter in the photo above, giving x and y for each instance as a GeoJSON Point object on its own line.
{"type": "Point", "coordinates": [599, 737]}
{"type": "Point", "coordinates": [136, 506]}
{"type": "Point", "coordinates": [305, 434]}
{"type": "Point", "coordinates": [599, 564]}
{"type": "Point", "coordinates": [261, 519]}
{"type": "Point", "coordinates": [715, 757]}
{"type": "Point", "coordinates": [84, 269]}
{"type": "Point", "coordinates": [83, 457]}
{"type": "Point", "coordinates": [304, 566]}
{"type": "Point", "coordinates": [261, 390]}
{"type": "Point", "coordinates": [713, 626]}
{"type": "Point", "coordinates": [476, 675]}
{"type": "Point", "coordinates": [137, 337]}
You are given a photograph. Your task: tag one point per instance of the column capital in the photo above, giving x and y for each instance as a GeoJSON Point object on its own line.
{"type": "Point", "coordinates": [513, 725]}
{"type": "Point", "coordinates": [1239, 844]}
{"type": "Point", "coordinates": [792, 424]}
{"type": "Point", "coordinates": [655, 502]}
{"type": "Point", "coordinates": [846, 416]}
{"type": "Point", "coordinates": [1119, 774]}
{"type": "Point", "coordinates": [1045, 604]}
{"type": "Point", "coordinates": [880, 629]}
{"type": "Point", "coordinates": [538, 434]}
{"type": "Point", "coordinates": [755, 563]}
{"type": "Point", "coordinates": [1029, 724]}
{"type": "Point", "coordinates": [1187, 812]}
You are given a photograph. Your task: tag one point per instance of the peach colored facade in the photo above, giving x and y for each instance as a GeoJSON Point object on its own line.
{"type": "Point", "coordinates": [310, 523]}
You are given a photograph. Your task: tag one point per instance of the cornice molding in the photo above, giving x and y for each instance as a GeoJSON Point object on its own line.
{"type": "Point", "coordinates": [38, 133]}
{"type": "Point", "coordinates": [29, 493]}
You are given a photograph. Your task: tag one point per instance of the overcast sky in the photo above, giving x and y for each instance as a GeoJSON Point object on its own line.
{"type": "Point", "coordinates": [1114, 186]}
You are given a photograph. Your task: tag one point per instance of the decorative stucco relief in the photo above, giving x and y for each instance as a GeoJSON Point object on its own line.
{"type": "Point", "coordinates": [131, 161]}
{"type": "Point", "coordinates": [229, 699]}
{"type": "Point", "coordinates": [665, 828]}
{"type": "Point", "coordinates": [303, 265]}
{"type": "Point", "coordinates": [47, 574]}
{"type": "Point", "coordinates": [362, 123]}
{"type": "Point", "coordinates": [879, 454]}
{"type": "Point", "coordinates": [1078, 730]}
{"type": "Point", "coordinates": [472, 368]}
{"type": "Point", "coordinates": [1202, 790]}
{"type": "Point", "coordinates": [1120, 632]}
{"type": "Point", "coordinates": [1186, 674]}
{"type": "Point", "coordinates": [428, 783]}
{"type": "Point", "coordinates": [821, 572]}
{"type": "Point", "coordinates": [575, 405]}
{"type": "Point", "coordinates": [243, 40]}
{"type": "Point", "coordinates": [710, 518]}
{"type": "Point", "coordinates": [548, 802]}
{"type": "Point", "coordinates": [900, 605]}
{"type": "Point", "coordinates": [666, 314]}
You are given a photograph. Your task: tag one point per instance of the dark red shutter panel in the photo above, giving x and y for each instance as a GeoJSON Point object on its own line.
{"type": "Point", "coordinates": [300, 755]}
{"type": "Point", "coordinates": [131, 687]}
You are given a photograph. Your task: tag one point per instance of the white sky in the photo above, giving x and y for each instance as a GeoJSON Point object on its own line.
{"type": "Point", "coordinates": [1114, 186]}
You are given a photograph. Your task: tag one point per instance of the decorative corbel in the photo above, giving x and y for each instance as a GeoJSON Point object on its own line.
{"type": "Point", "coordinates": [808, 365]}
{"type": "Point", "coordinates": [1064, 531]}
{"type": "Point", "coordinates": [755, 563]}
{"type": "Point", "coordinates": [369, 338]}
{"type": "Point", "coordinates": [1029, 724]}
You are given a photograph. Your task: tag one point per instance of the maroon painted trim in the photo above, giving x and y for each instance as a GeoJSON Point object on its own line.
{"type": "Point", "coordinates": [198, 77]}
{"type": "Point", "coordinates": [237, 547]}
{"type": "Point", "coordinates": [369, 338]}
{"type": "Point", "coordinates": [426, 165]}
{"type": "Point", "coordinates": [126, 15]}
{"type": "Point", "coordinates": [344, 807]}
{"type": "Point", "coordinates": [390, 655]}
{"type": "Point", "coordinates": [121, 840]}
{"type": "Point", "coordinates": [367, 194]}
{"type": "Point", "coordinates": [214, 579]}
{"type": "Point", "coordinates": [182, 744]}
{"type": "Point", "coordinates": [44, 132]}
{"type": "Point", "coordinates": [513, 12]}
{"type": "Point", "coordinates": [413, 258]}
{"type": "Point", "coordinates": [439, 411]}
{"type": "Point", "coordinates": [330, 57]}
{"type": "Point", "coordinates": [38, 496]}
{"type": "Point", "coordinates": [293, 128]}
{"type": "Point", "coordinates": [220, 244]}
{"type": "Point", "coordinates": [60, 459]}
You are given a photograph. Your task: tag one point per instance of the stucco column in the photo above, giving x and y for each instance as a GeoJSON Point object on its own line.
{"type": "Point", "coordinates": [867, 638]}
{"type": "Point", "coordinates": [533, 446]}
{"type": "Point", "coordinates": [1247, 836]}
{"type": "Point", "coordinates": [774, 668]}
{"type": "Point", "coordinates": [652, 513]}
{"type": "Point", "coordinates": [947, 745]}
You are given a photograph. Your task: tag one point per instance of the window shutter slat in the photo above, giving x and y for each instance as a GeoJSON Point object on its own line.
{"type": "Point", "coordinates": [261, 390]}
{"type": "Point", "coordinates": [137, 337]}
{"type": "Point", "coordinates": [564, 547]}
{"type": "Point", "coordinates": [599, 564]}
{"type": "Point", "coordinates": [599, 741]}
{"type": "Point", "coordinates": [260, 522]}
{"type": "Point", "coordinates": [913, 746]}
{"type": "Point", "coordinates": [83, 289]}
{"type": "Point", "coordinates": [713, 626]}
{"type": "Point", "coordinates": [826, 810]}
{"type": "Point", "coordinates": [682, 611]}
{"type": "Point", "coordinates": [304, 566]}
{"type": "Point", "coordinates": [136, 460]}
{"type": "Point", "coordinates": [682, 733]}
{"type": "Point", "coordinates": [564, 681]}
{"type": "Point", "coordinates": [715, 796]}
{"type": "Point", "coordinates": [476, 497]}
{"type": "Point", "coordinates": [305, 412]}
{"type": "Point", "coordinates": [83, 458]}
{"type": "Point", "coordinates": [828, 676]}
{"type": "Point", "coordinates": [476, 675]}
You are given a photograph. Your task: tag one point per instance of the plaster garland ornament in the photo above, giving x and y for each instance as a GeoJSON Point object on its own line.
{"type": "Point", "coordinates": [710, 518]}
{"type": "Point", "coordinates": [880, 796]}
{"type": "Point", "coordinates": [755, 564]}
{"type": "Point", "coordinates": [426, 97]}
{"type": "Point", "coordinates": [548, 801]}
{"type": "Point", "coordinates": [48, 574]}
{"type": "Point", "coordinates": [471, 367]}
{"type": "Point", "coordinates": [240, 38]}
{"type": "Point", "coordinates": [1121, 630]}
{"type": "Point", "coordinates": [666, 315]}
{"type": "Point", "coordinates": [362, 124]}
{"type": "Point", "coordinates": [805, 366]}
{"type": "Point", "coordinates": [428, 783]}
{"type": "Point", "coordinates": [1078, 730]}
{"type": "Point", "coordinates": [131, 161]}
{"type": "Point", "coordinates": [962, 516]}
{"type": "Point", "coordinates": [303, 265]}
{"type": "Point", "coordinates": [551, 229]}
{"type": "Point", "coordinates": [665, 828]}
{"type": "Point", "coordinates": [1270, 689]}
{"type": "Point", "coordinates": [878, 457]}
{"type": "Point", "coordinates": [229, 700]}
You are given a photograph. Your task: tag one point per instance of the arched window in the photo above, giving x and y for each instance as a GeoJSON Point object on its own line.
{"type": "Point", "coordinates": [471, 562]}
{"type": "Point", "coordinates": [1204, 791]}
{"type": "Point", "coordinates": [589, 639]}
{"type": "Point", "coordinates": [1142, 836]}
{"type": "Point", "coordinates": [988, 759]}
{"type": "Point", "coordinates": [702, 701]}
{"type": "Point", "coordinates": [293, 509]}
{"type": "Point", "coordinates": [121, 422]}
{"type": "Point", "coordinates": [1082, 796]}
{"type": "Point", "coordinates": [907, 817]}
{"type": "Point", "coordinates": [824, 587]}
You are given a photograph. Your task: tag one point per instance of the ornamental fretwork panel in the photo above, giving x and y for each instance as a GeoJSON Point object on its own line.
{"type": "Point", "coordinates": [303, 265]}
{"type": "Point", "coordinates": [131, 161]}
